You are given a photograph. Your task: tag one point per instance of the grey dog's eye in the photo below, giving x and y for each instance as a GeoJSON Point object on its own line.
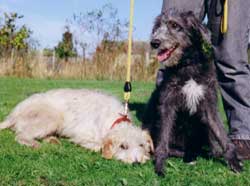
{"type": "Point", "coordinates": [124, 146]}
{"type": "Point", "coordinates": [141, 145]}
{"type": "Point", "coordinates": [174, 25]}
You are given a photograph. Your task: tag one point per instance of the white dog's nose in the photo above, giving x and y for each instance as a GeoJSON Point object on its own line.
{"type": "Point", "coordinates": [137, 156]}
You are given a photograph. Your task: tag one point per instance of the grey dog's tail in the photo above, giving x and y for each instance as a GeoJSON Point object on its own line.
{"type": "Point", "coordinates": [6, 124]}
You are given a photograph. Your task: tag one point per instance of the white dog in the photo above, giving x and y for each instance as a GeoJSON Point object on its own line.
{"type": "Point", "coordinates": [89, 118]}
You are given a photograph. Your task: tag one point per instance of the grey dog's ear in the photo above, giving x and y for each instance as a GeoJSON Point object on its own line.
{"type": "Point", "coordinates": [194, 23]}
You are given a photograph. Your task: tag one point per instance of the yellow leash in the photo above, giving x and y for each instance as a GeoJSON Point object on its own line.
{"type": "Point", "coordinates": [127, 86]}
{"type": "Point", "coordinates": [224, 19]}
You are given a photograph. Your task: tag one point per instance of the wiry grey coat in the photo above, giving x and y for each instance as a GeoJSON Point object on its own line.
{"type": "Point", "coordinates": [182, 114]}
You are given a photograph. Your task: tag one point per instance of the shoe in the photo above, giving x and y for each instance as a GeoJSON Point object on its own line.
{"type": "Point", "coordinates": [242, 148]}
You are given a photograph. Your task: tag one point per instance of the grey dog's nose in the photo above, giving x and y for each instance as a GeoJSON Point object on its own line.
{"type": "Point", "coordinates": [155, 43]}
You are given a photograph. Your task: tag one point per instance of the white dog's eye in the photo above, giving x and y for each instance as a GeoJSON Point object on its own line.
{"type": "Point", "coordinates": [124, 146]}
{"type": "Point", "coordinates": [141, 145]}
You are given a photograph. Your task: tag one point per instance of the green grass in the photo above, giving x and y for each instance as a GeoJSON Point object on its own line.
{"type": "Point", "coordinates": [68, 164]}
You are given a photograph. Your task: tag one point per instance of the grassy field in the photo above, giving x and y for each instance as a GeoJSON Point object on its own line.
{"type": "Point", "coordinates": [68, 164]}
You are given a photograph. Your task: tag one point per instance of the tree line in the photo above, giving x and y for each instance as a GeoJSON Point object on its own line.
{"type": "Point", "coordinates": [83, 32]}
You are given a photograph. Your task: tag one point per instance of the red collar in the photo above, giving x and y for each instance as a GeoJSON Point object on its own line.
{"type": "Point", "coordinates": [123, 118]}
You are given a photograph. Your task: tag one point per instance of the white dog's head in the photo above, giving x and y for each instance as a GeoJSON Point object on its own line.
{"type": "Point", "coordinates": [127, 143]}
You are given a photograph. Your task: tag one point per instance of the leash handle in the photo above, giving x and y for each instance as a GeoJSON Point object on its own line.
{"type": "Point", "coordinates": [224, 19]}
{"type": "Point", "coordinates": [127, 86]}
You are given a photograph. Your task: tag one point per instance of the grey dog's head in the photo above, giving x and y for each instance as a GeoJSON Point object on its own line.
{"type": "Point", "coordinates": [174, 32]}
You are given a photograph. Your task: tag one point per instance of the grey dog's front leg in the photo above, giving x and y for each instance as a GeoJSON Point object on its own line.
{"type": "Point", "coordinates": [162, 148]}
{"type": "Point", "coordinates": [215, 125]}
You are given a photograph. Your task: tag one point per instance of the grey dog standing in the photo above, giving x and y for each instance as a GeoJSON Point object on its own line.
{"type": "Point", "coordinates": [182, 113]}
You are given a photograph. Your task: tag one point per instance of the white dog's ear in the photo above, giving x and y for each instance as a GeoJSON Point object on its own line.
{"type": "Point", "coordinates": [149, 140]}
{"type": "Point", "coordinates": [107, 149]}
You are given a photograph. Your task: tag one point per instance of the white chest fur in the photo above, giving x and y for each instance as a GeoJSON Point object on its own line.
{"type": "Point", "coordinates": [193, 93]}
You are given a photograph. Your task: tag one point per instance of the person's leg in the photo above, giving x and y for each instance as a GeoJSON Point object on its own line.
{"type": "Point", "coordinates": [197, 6]}
{"type": "Point", "coordinates": [232, 65]}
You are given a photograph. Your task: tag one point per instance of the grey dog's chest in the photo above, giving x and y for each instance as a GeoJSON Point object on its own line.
{"type": "Point", "coordinates": [192, 93]}
{"type": "Point", "coordinates": [188, 94]}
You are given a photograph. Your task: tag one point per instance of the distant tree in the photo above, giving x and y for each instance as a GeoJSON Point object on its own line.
{"type": "Point", "coordinates": [98, 25]}
{"type": "Point", "coordinates": [83, 48]}
{"type": "Point", "coordinates": [65, 48]}
{"type": "Point", "coordinates": [11, 36]}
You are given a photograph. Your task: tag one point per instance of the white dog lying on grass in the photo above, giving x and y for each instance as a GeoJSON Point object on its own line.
{"type": "Point", "coordinates": [89, 118]}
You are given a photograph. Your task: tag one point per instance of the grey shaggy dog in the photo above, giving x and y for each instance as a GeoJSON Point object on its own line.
{"type": "Point", "coordinates": [182, 114]}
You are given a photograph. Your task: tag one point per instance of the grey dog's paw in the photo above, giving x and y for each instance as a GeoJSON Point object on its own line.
{"type": "Point", "coordinates": [235, 164]}
{"type": "Point", "coordinates": [159, 166]}
{"type": "Point", "coordinates": [232, 159]}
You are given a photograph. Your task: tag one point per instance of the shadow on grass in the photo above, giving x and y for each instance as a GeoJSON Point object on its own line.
{"type": "Point", "coordinates": [139, 109]}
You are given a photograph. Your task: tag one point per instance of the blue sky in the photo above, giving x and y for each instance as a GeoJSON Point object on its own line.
{"type": "Point", "coordinates": [47, 18]}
